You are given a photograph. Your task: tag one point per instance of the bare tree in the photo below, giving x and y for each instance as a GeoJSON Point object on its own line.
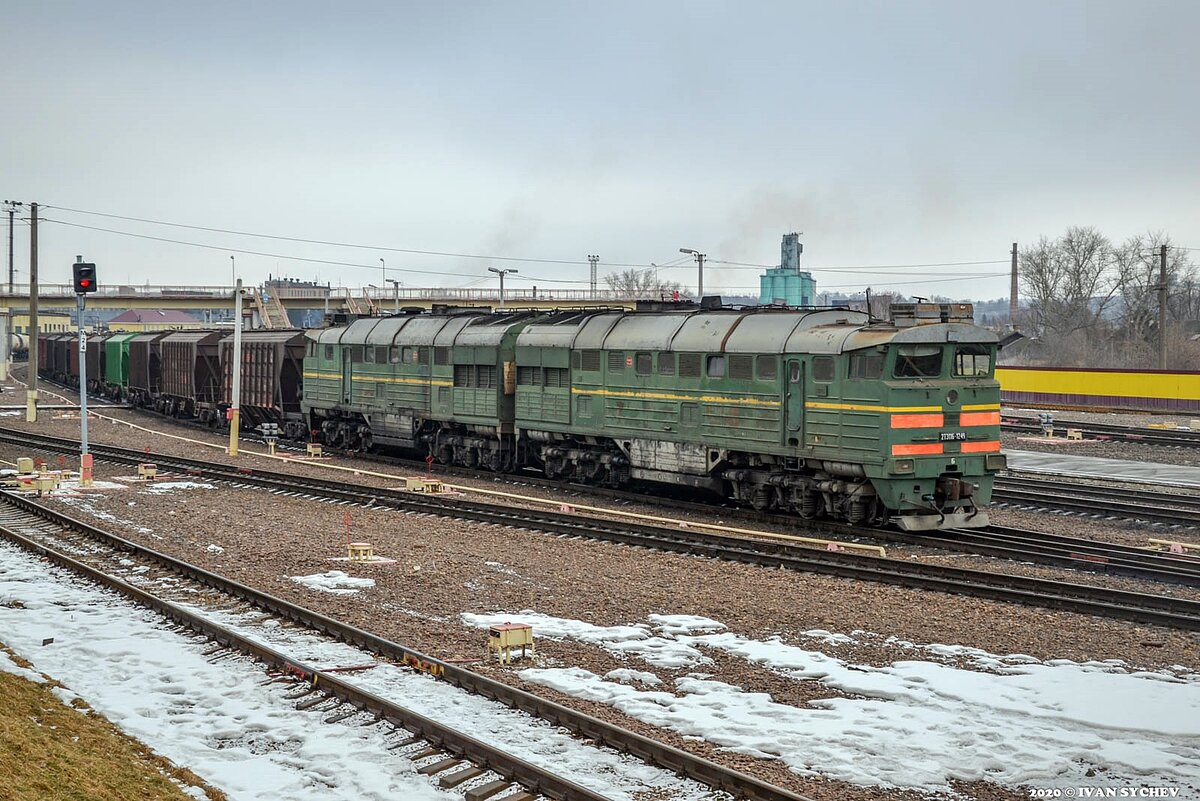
{"type": "Point", "coordinates": [1071, 282]}
{"type": "Point", "coordinates": [643, 284]}
{"type": "Point", "coordinates": [1138, 262]}
{"type": "Point", "coordinates": [881, 303]}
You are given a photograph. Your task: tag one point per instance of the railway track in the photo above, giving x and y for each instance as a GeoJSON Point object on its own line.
{"type": "Point", "coordinates": [1182, 438]}
{"type": "Point", "coordinates": [1057, 550]}
{"type": "Point", "coordinates": [1173, 509]}
{"type": "Point", "coordinates": [450, 757]}
{"type": "Point", "coordinates": [1139, 607]}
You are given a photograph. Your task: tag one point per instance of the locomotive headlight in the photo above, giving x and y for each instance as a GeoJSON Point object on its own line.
{"type": "Point", "coordinates": [996, 462]}
{"type": "Point", "coordinates": [902, 466]}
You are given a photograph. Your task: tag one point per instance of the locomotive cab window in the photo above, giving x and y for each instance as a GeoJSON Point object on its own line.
{"type": "Point", "coordinates": [716, 366]}
{"type": "Point", "coordinates": [972, 361]}
{"type": "Point", "coordinates": [329, 353]}
{"type": "Point", "coordinates": [768, 368]}
{"type": "Point", "coordinates": [666, 364]}
{"type": "Point", "coordinates": [918, 361]}
{"type": "Point", "coordinates": [394, 354]}
{"type": "Point", "coordinates": [822, 368]}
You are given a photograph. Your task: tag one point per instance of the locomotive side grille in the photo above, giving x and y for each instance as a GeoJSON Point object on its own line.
{"type": "Point", "coordinates": [689, 365]}
{"type": "Point", "coordinates": [441, 355]}
{"type": "Point", "coordinates": [591, 360]}
{"type": "Point", "coordinates": [616, 360]}
{"type": "Point", "coordinates": [741, 367]}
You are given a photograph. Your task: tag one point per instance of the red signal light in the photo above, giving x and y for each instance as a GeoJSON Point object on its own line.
{"type": "Point", "coordinates": [85, 282]}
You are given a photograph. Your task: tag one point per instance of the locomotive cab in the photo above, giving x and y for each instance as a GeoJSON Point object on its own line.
{"type": "Point", "coordinates": [942, 440]}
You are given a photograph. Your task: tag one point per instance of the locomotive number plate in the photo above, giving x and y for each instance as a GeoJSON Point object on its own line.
{"type": "Point", "coordinates": [953, 436]}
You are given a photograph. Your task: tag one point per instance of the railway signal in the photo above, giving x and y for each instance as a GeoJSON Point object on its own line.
{"type": "Point", "coordinates": [84, 278]}
{"type": "Point", "coordinates": [84, 275]}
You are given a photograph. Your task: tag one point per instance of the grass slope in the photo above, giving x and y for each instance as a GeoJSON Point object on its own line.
{"type": "Point", "coordinates": [53, 752]}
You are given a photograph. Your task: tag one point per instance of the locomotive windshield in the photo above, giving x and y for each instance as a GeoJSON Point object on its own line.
{"type": "Point", "coordinates": [918, 361]}
{"type": "Point", "coordinates": [972, 361]}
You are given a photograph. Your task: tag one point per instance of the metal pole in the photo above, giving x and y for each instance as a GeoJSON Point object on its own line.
{"type": "Point", "coordinates": [10, 250]}
{"type": "Point", "coordinates": [85, 462]}
{"type": "Point", "coordinates": [700, 276]}
{"type": "Point", "coordinates": [594, 260]}
{"type": "Point", "coordinates": [501, 274]}
{"type": "Point", "coordinates": [1012, 292]}
{"type": "Point", "coordinates": [32, 378]}
{"type": "Point", "coordinates": [1162, 308]}
{"type": "Point", "coordinates": [235, 368]}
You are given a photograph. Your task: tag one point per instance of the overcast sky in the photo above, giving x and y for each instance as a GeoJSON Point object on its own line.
{"type": "Point", "coordinates": [889, 133]}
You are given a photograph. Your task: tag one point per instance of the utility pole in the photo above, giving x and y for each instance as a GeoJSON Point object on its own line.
{"type": "Point", "coordinates": [700, 257]}
{"type": "Point", "coordinates": [32, 379]}
{"type": "Point", "coordinates": [501, 273]}
{"type": "Point", "coordinates": [594, 261]}
{"type": "Point", "coordinates": [235, 370]}
{"type": "Point", "coordinates": [395, 282]}
{"type": "Point", "coordinates": [1162, 307]}
{"type": "Point", "coordinates": [12, 206]}
{"type": "Point", "coordinates": [1012, 292]}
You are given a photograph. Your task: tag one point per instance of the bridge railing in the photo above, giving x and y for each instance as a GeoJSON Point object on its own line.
{"type": "Point", "coordinates": [334, 294]}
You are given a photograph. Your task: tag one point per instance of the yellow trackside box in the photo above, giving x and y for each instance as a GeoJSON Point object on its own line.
{"type": "Point", "coordinates": [504, 638]}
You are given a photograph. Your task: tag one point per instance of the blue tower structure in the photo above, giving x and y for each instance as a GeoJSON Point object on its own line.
{"type": "Point", "coordinates": [786, 285]}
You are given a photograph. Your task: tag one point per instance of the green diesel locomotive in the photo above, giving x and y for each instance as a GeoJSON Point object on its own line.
{"type": "Point", "coordinates": [822, 413]}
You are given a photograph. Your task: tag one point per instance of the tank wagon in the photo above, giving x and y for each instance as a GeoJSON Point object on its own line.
{"type": "Point", "coordinates": [817, 413]}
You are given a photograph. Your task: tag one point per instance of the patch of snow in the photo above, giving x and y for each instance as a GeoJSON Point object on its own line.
{"type": "Point", "coordinates": [215, 549]}
{"type": "Point", "coordinates": [336, 582]}
{"type": "Point", "coordinates": [684, 624]}
{"type": "Point", "coordinates": [629, 676]}
{"type": "Point", "coordinates": [170, 486]}
{"type": "Point", "coordinates": [636, 640]}
{"type": "Point", "coordinates": [919, 724]}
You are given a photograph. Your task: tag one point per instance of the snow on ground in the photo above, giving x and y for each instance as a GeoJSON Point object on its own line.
{"type": "Point", "coordinates": [242, 737]}
{"type": "Point", "coordinates": [913, 724]}
{"type": "Point", "coordinates": [637, 640]}
{"type": "Point", "coordinates": [168, 486]}
{"type": "Point", "coordinates": [336, 582]}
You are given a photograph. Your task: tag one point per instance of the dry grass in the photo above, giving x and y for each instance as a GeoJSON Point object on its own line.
{"type": "Point", "coordinates": [53, 752]}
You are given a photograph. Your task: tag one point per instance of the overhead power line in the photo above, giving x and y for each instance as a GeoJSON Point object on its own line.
{"type": "Point", "coordinates": [243, 251]}
{"type": "Point", "coordinates": [383, 248]}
